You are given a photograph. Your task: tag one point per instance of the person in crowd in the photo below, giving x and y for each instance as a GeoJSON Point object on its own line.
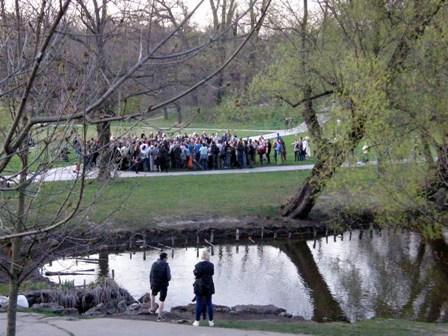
{"type": "Point", "coordinates": [144, 156]}
{"type": "Point", "coordinates": [203, 156]}
{"type": "Point", "coordinates": [204, 288]}
{"type": "Point", "coordinates": [278, 151]}
{"type": "Point", "coordinates": [159, 279]}
{"type": "Point", "coordinates": [306, 148]}
{"type": "Point", "coordinates": [268, 151]}
{"type": "Point", "coordinates": [298, 149]}
{"type": "Point", "coordinates": [261, 150]}
{"type": "Point", "coordinates": [240, 153]}
{"type": "Point", "coordinates": [164, 157]}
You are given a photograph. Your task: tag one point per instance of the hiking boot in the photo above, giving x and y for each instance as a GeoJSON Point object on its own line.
{"type": "Point", "coordinates": [211, 323]}
{"type": "Point", "coordinates": [196, 324]}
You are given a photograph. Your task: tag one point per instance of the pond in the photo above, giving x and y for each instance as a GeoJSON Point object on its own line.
{"type": "Point", "coordinates": [355, 276]}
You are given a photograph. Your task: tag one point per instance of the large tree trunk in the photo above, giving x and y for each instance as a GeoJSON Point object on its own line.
{"type": "Point", "coordinates": [15, 269]}
{"type": "Point", "coordinates": [103, 259]}
{"type": "Point", "coordinates": [179, 113]}
{"type": "Point", "coordinates": [329, 158]}
{"type": "Point", "coordinates": [105, 153]}
{"type": "Point", "coordinates": [219, 88]}
{"type": "Point", "coordinates": [436, 187]}
{"type": "Point", "coordinates": [13, 286]}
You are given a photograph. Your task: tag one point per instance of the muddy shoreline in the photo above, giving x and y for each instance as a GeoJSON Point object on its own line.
{"type": "Point", "coordinates": [170, 233]}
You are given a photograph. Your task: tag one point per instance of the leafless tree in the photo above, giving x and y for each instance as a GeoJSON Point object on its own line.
{"type": "Point", "coordinates": [61, 68]}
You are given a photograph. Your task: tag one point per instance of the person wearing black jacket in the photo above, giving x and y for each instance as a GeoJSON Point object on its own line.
{"type": "Point", "coordinates": [204, 288]}
{"type": "Point", "coordinates": [159, 277]}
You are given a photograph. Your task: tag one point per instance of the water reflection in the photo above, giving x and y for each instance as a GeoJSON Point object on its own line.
{"type": "Point", "coordinates": [388, 275]}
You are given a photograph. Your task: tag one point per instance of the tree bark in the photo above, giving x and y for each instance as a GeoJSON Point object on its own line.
{"type": "Point", "coordinates": [12, 304]}
{"type": "Point", "coordinates": [436, 188]}
{"type": "Point", "coordinates": [105, 153]}
{"type": "Point", "coordinates": [15, 268]}
{"type": "Point", "coordinates": [329, 158]}
{"type": "Point", "coordinates": [179, 113]}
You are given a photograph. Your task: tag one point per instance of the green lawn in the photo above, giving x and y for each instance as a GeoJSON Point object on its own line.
{"type": "Point", "coordinates": [135, 202]}
{"type": "Point", "coordinates": [375, 327]}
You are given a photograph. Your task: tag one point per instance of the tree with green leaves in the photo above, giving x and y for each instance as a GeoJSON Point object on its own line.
{"type": "Point", "coordinates": [349, 57]}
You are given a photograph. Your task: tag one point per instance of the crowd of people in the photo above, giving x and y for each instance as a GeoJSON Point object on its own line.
{"type": "Point", "coordinates": [157, 152]}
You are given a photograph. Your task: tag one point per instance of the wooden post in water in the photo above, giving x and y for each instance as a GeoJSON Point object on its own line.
{"type": "Point", "coordinates": [172, 241]}
{"type": "Point", "coordinates": [84, 284]}
{"type": "Point", "coordinates": [130, 255]}
{"type": "Point", "coordinates": [237, 234]}
{"type": "Point", "coordinates": [144, 255]}
{"type": "Point", "coordinates": [113, 274]}
{"type": "Point", "coordinates": [326, 234]}
{"type": "Point", "coordinates": [197, 238]}
{"type": "Point", "coordinates": [350, 235]}
{"type": "Point", "coordinates": [342, 236]}
{"type": "Point", "coordinates": [360, 234]}
{"type": "Point", "coordinates": [212, 236]}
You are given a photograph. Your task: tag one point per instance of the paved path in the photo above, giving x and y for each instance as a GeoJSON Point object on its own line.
{"type": "Point", "coordinates": [68, 174]}
{"type": "Point", "coordinates": [39, 325]}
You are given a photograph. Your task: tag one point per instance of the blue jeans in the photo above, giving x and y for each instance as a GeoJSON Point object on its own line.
{"type": "Point", "coordinates": [203, 303]}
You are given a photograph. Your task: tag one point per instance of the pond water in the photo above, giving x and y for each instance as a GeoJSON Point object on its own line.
{"type": "Point", "coordinates": [383, 275]}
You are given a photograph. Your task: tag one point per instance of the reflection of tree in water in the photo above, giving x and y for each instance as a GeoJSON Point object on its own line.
{"type": "Point", "coordinates": [103, 261]}
{"type": "Point", "coordinates": [354, 305]}
{"type": "Point", "coordinates": [325, 307]}
{"type": "Point", "coordinates": [437, 295]}
{"type": "Point", "coordinates": [395, 281]}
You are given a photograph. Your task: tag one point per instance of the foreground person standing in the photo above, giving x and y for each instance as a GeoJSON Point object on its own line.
{"type": "Point", "coordinates": [204, 288]}
{"type": "Point", "coordinates": [159, 277]}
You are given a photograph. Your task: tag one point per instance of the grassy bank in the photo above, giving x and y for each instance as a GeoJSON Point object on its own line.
{"type": "Point", "coordinates": [135, 202]}
{"type": "Point", "coordinates": [373, 327]}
